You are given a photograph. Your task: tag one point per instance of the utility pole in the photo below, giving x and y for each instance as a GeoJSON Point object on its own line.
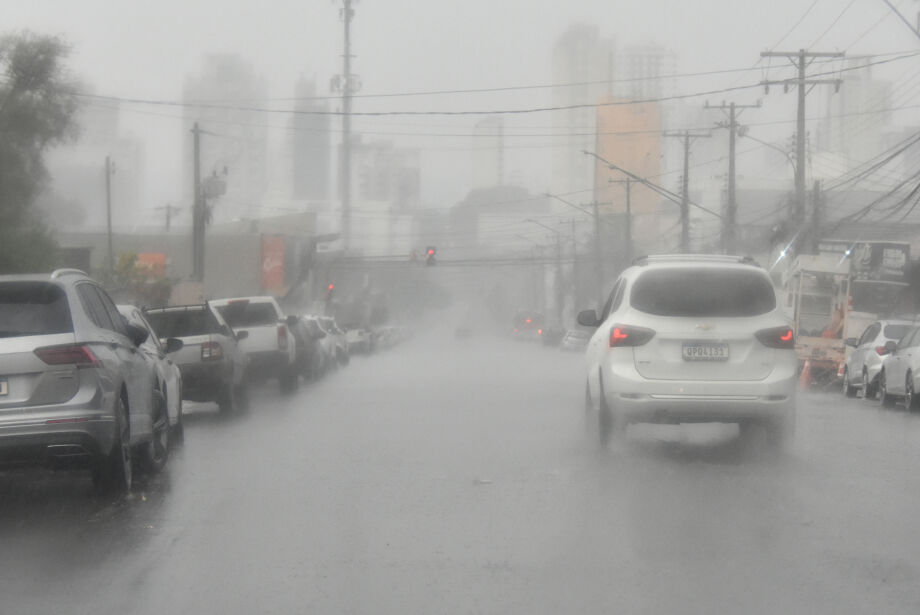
{"type": "Point", "coordinates": [109, 170]}
{"type": "Point", "coordinates": [628, 230]}
{"type": "Point", "coordinates": [170, 209]}
{"type": "Point", "coordinates": [348, 84]}
{"type": "Point", "coordinates": [686, 135]}
{"type": "Point", "coordinates": [198, 216]}
{"type": "Point", "coordinates": [816, 207]}
{"type": "Point", "coordinates": [801, 59]}
{"type": "Point", "coordinates": [730, 222]}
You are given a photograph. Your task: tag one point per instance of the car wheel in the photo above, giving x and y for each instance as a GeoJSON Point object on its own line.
{"type": "Point", "coordinates": [870, 389]}
{"type": "Point", "coordinates": [227, 399]}
{"type": "Point", "coordinates": [608, 424]}
{"type": "Point", "coordinates": [910, 398]}
{"type": "Point", "coordinates": [591, 420]}
{"type": "Point", "coordinates": [848, 389]}
{"type": "Point", "coordinates": [883, 395]}
{"type": "Point", "coordinates": [778, 434]}
{"type": "Point", "coordinates": [178, 430]}
{"type": "Point", "coordinates": [155, 453]}
{"type": "Point", "coordinates": [289, 381]}
{"type": "Point", "coordinates": [242, 396]}
{"type": "Point", "coordinates": [113, 474]}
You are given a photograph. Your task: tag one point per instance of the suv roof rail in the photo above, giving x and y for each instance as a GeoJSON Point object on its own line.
{"type": "Point", "coordinates": [57, 273]}
{"type": "Point", "coordinates": [683, 258]}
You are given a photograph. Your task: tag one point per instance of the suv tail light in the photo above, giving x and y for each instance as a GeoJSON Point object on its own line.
{"type": "Point", "coordinates": [881, 350]}
{"type": "Point", "coordinates": [777, 337]}
{"type": "Point", "coordinates": [72, 354]}
{"type": "Point", "coordinates": [627, 335]}
{"type": "Point", "coordinates": [282, 337]}
{"type": "Point", "coordinates": [211, 351]}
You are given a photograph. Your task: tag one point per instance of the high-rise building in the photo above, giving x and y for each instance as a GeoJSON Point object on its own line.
{"type": "Point", "coordinates": [234, 141]}
{"type": "Point", "coordinates": [488, 153]}
{"type": "Point", "coordinates": [583, 69]}
{"type": "Point", "coordinates": [312, 145]}
{"type": "Point", "coordinates": [645, 72]}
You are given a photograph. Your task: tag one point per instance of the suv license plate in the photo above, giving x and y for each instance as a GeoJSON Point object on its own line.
{"type": "Point", "coordinates": [4, 387]}
{"type": "Point", "coordinates": [705, 351]}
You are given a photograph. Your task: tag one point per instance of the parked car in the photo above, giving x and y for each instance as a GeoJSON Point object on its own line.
{"type": "Point", "coordinates": [314, 354]}
{"type": "Point", "coordinates": [575, 339]}
{"type": "Point", "coordinates": [212, 363]}
{"type": "Point", "coordinates": [167, 377]}
{"type": "Point", "coordinates": [359, 339]}
{"type": "Point", "coordinates": [73, 386]}
{"type": "Point", "coordinates": [269, 343]}
{"type": "Point", "coordinates": [527, 325]}
{"type": "Point", "coordinates": [899, 377]}
{"type": "Point", "coordinates": [861, 369]}
{"type": "Point", "coordinates": [691, 338]}
{"type": "Point", "coordinates": [338, 337]}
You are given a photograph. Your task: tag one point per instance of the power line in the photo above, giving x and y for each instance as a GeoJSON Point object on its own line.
{"type": "Point", "coordinates": [520, 111]}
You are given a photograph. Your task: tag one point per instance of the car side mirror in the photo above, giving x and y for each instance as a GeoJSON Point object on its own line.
{"type": "Point", "coordinates": [174, 344]}
{"type": "Point", "coordinates": [850, 341]}
{"type": "Point", "coordinates": [291, 320]}
{"type": "Point", "coordinates": [137, 334]}
{"type": "Point", "coordinates": [319, 335]}
{"type": "Point", "coordinates": [891, 346]}
{"type": "Point", "coordinates": [241, 335]}
{"type": "Point", "coordinates": [588, 318]}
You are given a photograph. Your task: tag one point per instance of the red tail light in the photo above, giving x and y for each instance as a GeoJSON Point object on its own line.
{"type": "Point", "coordinates": [627, 335]}
{"type": "Point", "coordinates": [539, 331]}
{"type": "Point", "coordinates": [777, 337]}
{"type": "Point", "coordinates": [77, 354]}
{"type": "Point", "coordinates": [881, 350]}
{"type": "Point", "coordinates": [282, 337]}
{"type": "Point", "coordinates": [211, 351]}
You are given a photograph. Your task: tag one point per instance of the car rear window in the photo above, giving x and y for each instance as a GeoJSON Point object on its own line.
{"type": "Point", "coordinates": [896, 332]}
{"type": "Point", "coordinates": [183, 323]}
{"type": "Point", "coordinates": [33, 308]}
{"type": "Point", "coordinates": [702, 292]}
{"type": "Point", "coordinates": [248, 314]}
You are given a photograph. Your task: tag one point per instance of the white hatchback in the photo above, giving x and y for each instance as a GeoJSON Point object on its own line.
{"type": "Point", "coordinates": [690, 339]}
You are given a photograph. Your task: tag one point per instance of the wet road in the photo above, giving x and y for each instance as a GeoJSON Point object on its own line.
{"type": "Point", "coordinates": [453, 477]}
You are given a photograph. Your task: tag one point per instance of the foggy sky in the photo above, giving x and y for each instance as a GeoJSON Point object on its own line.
{"type": "Point", "coordinates": [148, 50]}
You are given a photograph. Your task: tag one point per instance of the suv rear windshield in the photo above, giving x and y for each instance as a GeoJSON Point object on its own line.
{"type": "Point", "coordinates": [896, 332]}
{"type": "Point", "coordinates": [33, 308]}
{"type": "Point", "coordinates": [249, 314]}
{"type": "Point", "coordinates": [703, 292]}
{"type": "Point", "coordinates": [183, 323]}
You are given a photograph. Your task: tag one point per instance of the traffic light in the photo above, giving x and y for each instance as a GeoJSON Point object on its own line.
{"type": "Point", "coordinates": [430, 256]}
{"type": "Point", "coordinates": [329, 291]}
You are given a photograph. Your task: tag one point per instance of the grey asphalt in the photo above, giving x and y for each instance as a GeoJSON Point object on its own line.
{"type": "Point", "coordinates": [453, 476]}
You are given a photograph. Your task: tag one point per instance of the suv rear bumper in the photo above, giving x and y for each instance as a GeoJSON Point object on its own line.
{"type": "Point", "coordinates": [640, 400]}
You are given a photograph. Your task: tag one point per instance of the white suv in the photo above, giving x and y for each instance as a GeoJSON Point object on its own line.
{"type": "Point", "coordinates": [689, 339]}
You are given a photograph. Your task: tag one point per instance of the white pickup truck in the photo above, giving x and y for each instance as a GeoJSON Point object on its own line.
{"type": "Point", "coordinates": [269, 343]}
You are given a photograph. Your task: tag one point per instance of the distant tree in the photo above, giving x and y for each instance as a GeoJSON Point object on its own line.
{"type": "Point", "coordinates": [37, 106]}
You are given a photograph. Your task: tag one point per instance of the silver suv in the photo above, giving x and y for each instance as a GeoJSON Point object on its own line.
{"type": "Point", "coordinates": [691, 338]}
{"type": "Point", "coordinates": [73, 386]}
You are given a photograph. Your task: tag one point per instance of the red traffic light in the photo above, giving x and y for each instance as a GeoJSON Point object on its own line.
{"type": "Point", "coordinates": [331, 286]}
{"type": "Point", "coordinates": [430, 252]}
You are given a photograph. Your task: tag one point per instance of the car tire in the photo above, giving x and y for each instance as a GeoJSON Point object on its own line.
{"type": "Point", "coordinates": [242, 396]}
{"type": "Point", "coordinates": [884, 397]}
{"type": "Point", "coordinates": [289, 381]}
{"type": "Point", "coordinates": [227, 401]}
{"type": "Point", "coordinates": [609, 425]}
{"type": "Point", "coordinates": [910, 396]}
{"type": "Point", "coordinates": [870, 389]}
{"type": "Point", "coordinates": [113, 472]}
{"type": "Point", "coordinates": [591, 419]}
{"type": "Point", "coordinates": [178, 430]}
{"type": "Point", "coordinates": [155, 453]}
{"type": "Point", "coordinates": [848, 389]}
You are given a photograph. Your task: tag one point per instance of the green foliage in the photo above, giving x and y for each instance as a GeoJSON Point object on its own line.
{"type": "Point", "coordinates": [130, 283]}
{"type": "Point", "coordinates": [37, 106]}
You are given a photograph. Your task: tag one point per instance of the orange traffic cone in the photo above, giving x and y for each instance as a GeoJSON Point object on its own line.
{"type": "Point", "coordinates": [805, 377]}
